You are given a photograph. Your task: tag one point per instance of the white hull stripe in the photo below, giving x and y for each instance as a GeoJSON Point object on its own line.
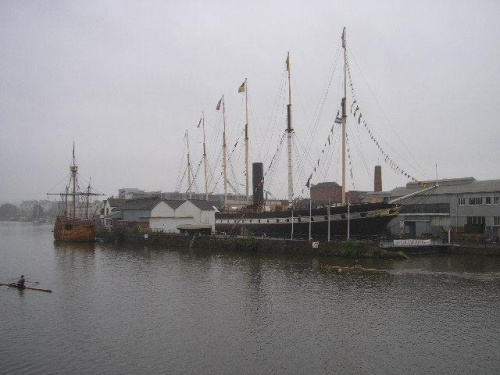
{"type": "Point", "coordinates": [305, 219]}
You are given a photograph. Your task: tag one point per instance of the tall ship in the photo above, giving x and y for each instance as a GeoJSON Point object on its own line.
{"type": "Point", "coordinates": [295, 217]}
{"type": "Point", "coordinates": [76, 223]}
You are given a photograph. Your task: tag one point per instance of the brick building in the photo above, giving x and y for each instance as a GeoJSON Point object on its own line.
{"type": "Point", "coordinates": [324, 191]}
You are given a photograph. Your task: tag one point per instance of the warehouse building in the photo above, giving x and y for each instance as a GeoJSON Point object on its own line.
{"type": "Point", "coordinates": [459, 205]}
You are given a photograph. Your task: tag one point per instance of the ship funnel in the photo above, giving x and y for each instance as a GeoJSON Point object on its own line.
{"type": "Point", "coordinates": [377, 181]}
{"type": "Point", "coordinates": [258, 184]}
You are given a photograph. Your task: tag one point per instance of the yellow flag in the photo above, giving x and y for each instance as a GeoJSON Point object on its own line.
{"type": "Point", "coordinates": [242, 88]}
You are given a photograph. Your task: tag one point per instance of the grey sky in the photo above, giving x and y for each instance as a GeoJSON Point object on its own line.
{"type": "Point", "coordinates": [125, 79]}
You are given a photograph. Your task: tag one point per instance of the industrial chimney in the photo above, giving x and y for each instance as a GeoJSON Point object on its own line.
{"type": "Point", "coordinates": [258, 184]}
{"type": "Point", "coordinates": [377, 181]}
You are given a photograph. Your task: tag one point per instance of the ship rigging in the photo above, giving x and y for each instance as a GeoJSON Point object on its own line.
{"type": "Point", "coordinates": [357, 217]}
{"type": "Point", "coordinates": [76, 223]}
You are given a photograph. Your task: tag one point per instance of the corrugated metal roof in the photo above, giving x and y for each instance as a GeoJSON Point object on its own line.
{"type": "Point", "coordinates": [140, 204]}
{"type": "Point", "coordinates": [116, 202]}
{"type": "Point", "coordinates": [452, 186]}
{"type": "Point", "coordinates": [150, 203]}
{"type": "Point", "coordinates": [174, 203]}
{"type": "Point", "coordinates": [202, 204]}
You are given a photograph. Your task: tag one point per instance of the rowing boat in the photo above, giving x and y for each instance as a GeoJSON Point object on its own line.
{"type": "Point", "coordinates": [13, 285]}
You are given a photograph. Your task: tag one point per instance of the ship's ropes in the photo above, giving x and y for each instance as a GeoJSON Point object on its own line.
{"type": "Point", "coordinates": [310, 149]}
{"type": "Point", "coordinates": [323, 100]}
{"type": "Point", "coordinates": [51, 191]}
{"type": "Point", "coordinates": [182, 169]}
{"type": "Point", "coordinates": [374, 136]}
{"type": "Point", "coordinates": [277, 120]}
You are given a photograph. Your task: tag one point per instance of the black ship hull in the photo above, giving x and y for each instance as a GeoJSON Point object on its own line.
{"type": "Point", "coordinates": [363, 220]}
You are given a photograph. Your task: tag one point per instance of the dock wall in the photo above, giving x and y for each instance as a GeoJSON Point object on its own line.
{"type": "Point", "coordinates": [259, 245]}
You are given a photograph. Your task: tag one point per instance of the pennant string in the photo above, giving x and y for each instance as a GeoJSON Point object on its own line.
{"type": "Point", "coordinates": [361, 118]}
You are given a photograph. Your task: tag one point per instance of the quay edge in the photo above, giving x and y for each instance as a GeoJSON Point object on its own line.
{"type": "Point", "coordinates": [350, 249]}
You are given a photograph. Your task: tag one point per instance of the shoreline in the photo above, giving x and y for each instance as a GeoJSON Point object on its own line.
{"type": "Point", "coordinates": [348, 249]}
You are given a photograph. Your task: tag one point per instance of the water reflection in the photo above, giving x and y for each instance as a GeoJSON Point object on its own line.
{"type": "Point", "coordinates": [20, 292]}
{"type": "Point", "coordinates": [131, 309]}
{"type": "Point", "coordinates": [75, 246]}
{"type": "Point", "coordinates": [72, 257]}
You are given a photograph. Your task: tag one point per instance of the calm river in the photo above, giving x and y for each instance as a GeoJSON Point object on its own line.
{"type": "Point", "coordinates": [137, 310]}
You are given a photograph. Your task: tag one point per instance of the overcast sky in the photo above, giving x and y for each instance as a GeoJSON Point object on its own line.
{"type": "Point", "coordinates": [125, 79]}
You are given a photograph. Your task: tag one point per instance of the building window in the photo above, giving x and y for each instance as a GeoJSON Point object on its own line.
{"type": "Point", "coordinates": [461, 201]}
{"type": "Point", "coordinates": [475, 201]}
{"type": "Point", "coordinates": [495, 200]}
{"type": "Point", "coordinates": [475, 220]}
{"type": "Point", "coordinates": [496, 220]}
{"type": "Point", "coordinates": [488, 200]}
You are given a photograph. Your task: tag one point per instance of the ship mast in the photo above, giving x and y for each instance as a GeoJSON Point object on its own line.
{"type": "Point", "coordinates": [65, 200]}
{"type": "Point", "coordinates": [189, 168]}
{"type": "Point", "coordinates": [88, 203]}
{"type": "Point", "coordinates": [71, 211]}
{"type": "Point", "coordinates": [289, 131]}
{"type": "Point", "coordinates": [247, 162]}
{"type": "Point", "coordinates": [74, 169]}
{"type": "Point", "coordinates": [344, 118]}
{"type": "Point", "coordinates": [204, 156]}
{"type": "Point", "coordinates": [224, 149]}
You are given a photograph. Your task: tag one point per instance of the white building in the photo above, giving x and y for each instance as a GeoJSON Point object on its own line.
{"type": "Point", "coordinates": [170, 216]}
{"type": "Point", "coordinates": [109, 207]}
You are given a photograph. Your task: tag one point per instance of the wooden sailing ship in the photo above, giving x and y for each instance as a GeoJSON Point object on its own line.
{"type": "Point", "coordinates": [76, 223]}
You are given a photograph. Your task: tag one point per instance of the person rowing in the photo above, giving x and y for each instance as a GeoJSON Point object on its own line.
{"type": "Point", "coordinates": [21, 282]}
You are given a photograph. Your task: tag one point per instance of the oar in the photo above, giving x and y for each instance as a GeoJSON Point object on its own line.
{"type": "Point", "coordinates": [12, 285]}
{"type": "Point", "coordinates": [39, 289]}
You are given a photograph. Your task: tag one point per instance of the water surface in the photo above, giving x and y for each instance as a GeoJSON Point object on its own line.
{"type": "Point", "coordinates": [135, 310]}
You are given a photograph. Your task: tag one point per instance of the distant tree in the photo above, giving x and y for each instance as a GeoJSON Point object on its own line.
{"type": "Point", "coordinates": [8, 212]}
{"type": "Point", "coordinates": [52, 211]}
{"type": "Point", "coordinates": [38, 212]}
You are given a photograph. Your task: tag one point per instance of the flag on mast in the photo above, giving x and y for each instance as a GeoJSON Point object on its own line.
{"type": "Point", "coordinates": [308, 183]}
{"type": "Point", "coordinates": [218, 105]}
{"type": "Point", "coordinates": [243, 87]}
{"type": "Point", "coordinates": [199, 123]}
{"type": "Point", "coordinates": [338, 119]}
{"type": "Point", "coordinates": [288, 62]}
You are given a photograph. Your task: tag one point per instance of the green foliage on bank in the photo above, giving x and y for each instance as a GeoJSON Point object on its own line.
{"type": "Point", "coordinates": [351, 249]}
